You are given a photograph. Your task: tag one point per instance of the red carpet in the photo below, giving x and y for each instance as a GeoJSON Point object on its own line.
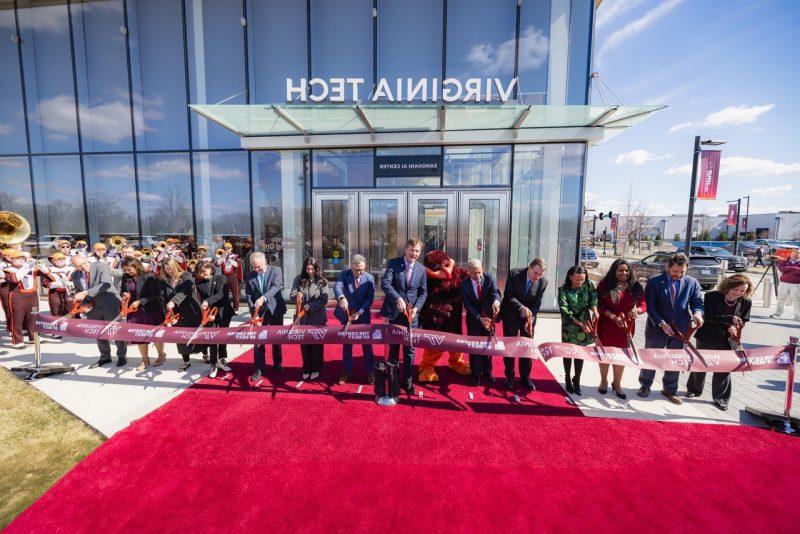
{"type": "Point", "coordinates": [325, 458]}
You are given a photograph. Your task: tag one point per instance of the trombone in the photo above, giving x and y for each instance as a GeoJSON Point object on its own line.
{"type": "Point", "coordinates": [220, 253]}
{"type": "Point", "coordinates": [191, 264]}
{"type": "Point", "coordinates": [147, 254]}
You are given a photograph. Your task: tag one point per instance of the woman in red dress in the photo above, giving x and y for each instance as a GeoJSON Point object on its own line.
{"type": "Point", "coordinates": [620, 301]}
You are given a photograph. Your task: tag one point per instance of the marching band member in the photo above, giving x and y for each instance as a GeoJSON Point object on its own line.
{"type": "Point", "coordinates": [117, 271]}
{"type": "Point", "coordinates": [23, 297]}
{"type": "Point", "coordinates": [98, 253]}
{"type": "Point", "coordinates": [231, 267]}
{"type": "Point", "coordinates": [59, 285]}
{"type": "Point", "coordinates": [213, 292]}
{"type": "Point", "coordinates": [202, 254]}
{"type": "Point", "coordinates": [81, 247]}
{"type": "Point", "coordinates": [5, 261]}
{"type": "Point", "coordinates": [65, 247]}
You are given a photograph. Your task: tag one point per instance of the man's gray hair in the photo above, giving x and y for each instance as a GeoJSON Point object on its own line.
{"type": "Point", "coordinates": [358, 258]}
{"type": "Point", "coordinates": [257, 256]}
{"type": "Point", "coordinates": [474, 263]}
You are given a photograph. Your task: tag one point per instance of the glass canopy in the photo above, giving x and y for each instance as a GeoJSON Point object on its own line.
{"type": "Point", "coordinates": [259, 120]}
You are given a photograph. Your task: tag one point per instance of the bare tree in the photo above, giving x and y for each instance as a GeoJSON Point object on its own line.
{"type": "Point", "coordinates": [632, 224]}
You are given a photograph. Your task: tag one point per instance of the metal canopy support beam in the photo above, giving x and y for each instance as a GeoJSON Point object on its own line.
{"type": "Point", "coordinates": [646, 112]}
{"type": "Point", "coordinates": [365, 121]}
{"type": "Point", "coordinates": [520, 119]}
{"type": "Point", "coordinates": [288, 118]}
{"type": "Point", "coordinates": [441, 116]}
{"type": "Point", "coordinates": [606, 114]}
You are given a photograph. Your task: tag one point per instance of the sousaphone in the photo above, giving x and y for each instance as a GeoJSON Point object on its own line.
{"type": "Point", "coordinates": [13, 228]}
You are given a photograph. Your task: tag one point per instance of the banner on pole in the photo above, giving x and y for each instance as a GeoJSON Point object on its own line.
{"type": "Point", "coordinates": [614, 223]}
{"type": "Point", "coordinates": [709, 174]}
{"type": "Point", "coordinates": [733, 214]}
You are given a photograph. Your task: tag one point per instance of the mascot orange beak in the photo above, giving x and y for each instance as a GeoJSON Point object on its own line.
{"type": "Point", "coordinates": [445, 273]}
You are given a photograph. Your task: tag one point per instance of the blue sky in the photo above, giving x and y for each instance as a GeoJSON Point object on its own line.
{"type": "Point", "coordinates": [728, 70]}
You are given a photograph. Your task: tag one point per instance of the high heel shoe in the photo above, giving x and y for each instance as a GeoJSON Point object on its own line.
{"type": "Point", "coordinates": [568, 385]}
{"type": "Point", "coordinates": [619, 392]}
{"type": "Point", "coordinates": [576, 386]}
{"type": "Point", "coordinates": [142, 366]}
{"type": "Point", "coordinates": [602, 390]}
{"type": "Point", "coordinates": [160, 360]}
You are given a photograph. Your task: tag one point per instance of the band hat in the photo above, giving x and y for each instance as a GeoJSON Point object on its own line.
{"type": "Point", "coordinates": [99, 245]}
{"type": "Point", "coordinates": [202, 247]}
{"type": "Point", "coordinates": [12, 253]}
{"type": "Point", "coordinates": [172, 240]}
{"type": "Point", "coordinates": [80, 242]}
{"type": "Point", "coordinates": [58, 256]}
{"type": "Point", "coordinates": [64, 242]}
{"type": "Point", "coordinates": [227, 245]}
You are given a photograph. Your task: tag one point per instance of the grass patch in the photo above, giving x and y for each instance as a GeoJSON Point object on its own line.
{"type": "Point", "coordinates": [39, 442]}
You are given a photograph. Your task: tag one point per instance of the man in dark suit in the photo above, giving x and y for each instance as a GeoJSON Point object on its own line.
{"type": "Point", "coordinates": [94, 284]}
{"type": "Point", "coordinates": [482, 301]}
{"type": "Point", "coordinates": [355, 292]}
{"type": "Point", "coordinates": [263, 288]}
{"type": "Point", "coordinates": [522, 298]}
{"type": "Point", "coordinates": [673, 301]}
{"type": "Point", "coordinates": [405, 286]}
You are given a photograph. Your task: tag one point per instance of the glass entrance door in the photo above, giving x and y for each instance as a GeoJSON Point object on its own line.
{"type": "Point", "coordinates": [432, 219]}
{"type": "Point", "coordinates": [483, 231]}
{"type": "Point", "coordinates": [382, 229]}
{"type": "Point", "coordinates": [334, 232]}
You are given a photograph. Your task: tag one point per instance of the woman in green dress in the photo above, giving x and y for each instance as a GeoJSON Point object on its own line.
{"type": "Point", "coordinates": [577, 301]}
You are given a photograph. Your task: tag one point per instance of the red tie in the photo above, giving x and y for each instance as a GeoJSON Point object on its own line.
{"type": "Point", "coordinates": [356, 278]}
{"type": "Point", "coordinates": [86, 279]}
{"type": "Point", "coordinates": [672, 292]}
{"type": "Point", "coordinates": [480, 291]}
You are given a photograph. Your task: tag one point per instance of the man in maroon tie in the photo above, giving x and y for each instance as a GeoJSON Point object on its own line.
{"type": "Point", "coordinates": [482, 302]}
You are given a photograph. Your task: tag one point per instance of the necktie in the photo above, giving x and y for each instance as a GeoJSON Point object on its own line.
{"type": "Point", "coordinates": [528, 285]}
{"type": "Point", "coordinates": [86, 279]}
{"type": "Point", "coordinates": [673, 292]}
{"type": "Point", "coordinates": [261, 281]}
{"type": "Point", "coordinates": [409, 270]}
{"type": "Point", "coordinates": [356, 281]}
{"type": "Point", "coordinates": [480, 291]}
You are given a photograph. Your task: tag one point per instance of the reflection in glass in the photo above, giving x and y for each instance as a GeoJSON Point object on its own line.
{"type": "Point", "coordinates": [382, 234]}
{"type": "Point", "coordinates": [278, 48]}
{"type": "Point", "coordinates": [343, 168]}
{"type": "Point", "coordinates": [12, 124]}
{"type": "Point", "coordinates": [409, 181]}
{"type": "Point", "coordinates": [534, 49]}
{"type": "Point", "coordinates": [59, 196]}
{"type": "Point", "coordinates": [341, 41]}
{"type": "Point", "coordinates": [111, 197]}
{"type": "Point", "coordinates": [580, 33]}
{"type": "Point", "coordinates": [432, 223]}
{"type": "Point", "coordinates": [46, 57]}
{"type": "Point", "coordinates": [102, 75]}
{"type": "Point", "coordinates": [279, 215]}
{"type": "Point", "coordinates": [410, 40]}
{"type": "Point", "coordinates": [545, 210]}
{"type": "Point", "coordinates": [165, 197]}
{"type": "Point", "coordinates": [216, 65]}
{"type": "Point", "coordinates": [479, 165]}
{"type": "Point", "coordinates": [222, 197]}
{"type": "Point", "coordinates": [481, 39]}
{"type": "Point", "coordinates": [15, 189]}
{"type": "Point", "coordinates": [483, 235]}
{"type": "Point", "coordinates": [157, 74]}
{"type": "Point", "coordinates": [336, 234]}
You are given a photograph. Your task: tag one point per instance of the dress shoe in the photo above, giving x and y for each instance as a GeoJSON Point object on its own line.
{"type": "Point", "coordinates": [722, 404]}
{"type": "Point", "coordinates": [527, 383]}
{"type": "Point", "coordinates": [121, 360]}
{"type": "Point", "coordinates": [306, 376]}
{"type": "Point", "coordinates": [490, 379]}
{"type": "Point", "coordinates": [314, 375]}
{"type": "Point", "coordinates": [509, 383]}
{"type": "Point", "coordinates": [371, 378]}
{"type": "Point", "coordinates": [256, 376]}
{"type": "Point", "coordinates": [99, 363]}
{"type": "Point", "coordinates": [643, 392]}
{"type": "Point", "coordinates": [476, 381]}
{"type": "Point", "coordinates": [184, 366]}
{"type": "Point", "coordinates": [691, 394]}
{"type": "Point", "coordinates": [278, 368]}
{"type": "Point", "coordinates": [409, 388]}
{"type": "Point", "coordinates": [672, 397]}
{"type": "Point", "coordinates": [344, 378]}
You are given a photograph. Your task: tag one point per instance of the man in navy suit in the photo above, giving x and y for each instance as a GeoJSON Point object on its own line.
{"type": "Point", "coordinates": [405, 286]}
{"type": "Point", "coordinates": [263, 288]}
{"type": "Point", "coordinates": [674, 301]}
{"type": "Point", "coordinates": [482, 301]}
{"type": "Point", "coordinates": [355, 291]}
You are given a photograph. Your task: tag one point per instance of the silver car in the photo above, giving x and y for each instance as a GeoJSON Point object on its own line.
{"type": "Point", "coordinates": [707, 269]}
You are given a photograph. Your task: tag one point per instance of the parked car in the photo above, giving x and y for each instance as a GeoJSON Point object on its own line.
{"type": "Point", "coordinates": [734, 263]}
{"type": "Point", "coordinates": [707, 269]}
{"type": "Point", "coordinates": [589, 258]}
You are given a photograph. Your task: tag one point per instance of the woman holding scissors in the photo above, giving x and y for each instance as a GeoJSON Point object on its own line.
{"type": "Point", "coordinates": [310, 292]}
{"type": "Point", "coordinates": [146, 306]}
{"type": "Point", "coordinates": [577, 301]}
{"type": "Point", "coordinates": [620, 301]}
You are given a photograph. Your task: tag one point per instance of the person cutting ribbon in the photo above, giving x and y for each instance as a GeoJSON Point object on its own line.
{"type": "Point", "coordinates": [482, 304]}
{"type": "Point", "coordinates": [355, 291]}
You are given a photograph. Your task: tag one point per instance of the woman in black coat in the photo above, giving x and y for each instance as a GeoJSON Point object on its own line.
{"type": "Point", "coordinates": [178, 291]}
{"type": "Point", "coordinates": [212, 289]}
{"type": "Point", "coordinates": [314, 290]}
{"type": "Point", "coordinates": [726, 310]}
{"type": "Point", "coordinates": [145, 303]}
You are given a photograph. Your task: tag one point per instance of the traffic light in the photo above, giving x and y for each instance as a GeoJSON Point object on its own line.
{"type": "Point", "coordinates": [609, 215]}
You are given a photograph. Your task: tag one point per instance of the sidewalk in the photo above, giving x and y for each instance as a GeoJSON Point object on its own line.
{"type": "Point", "coordinates": [110, 398]}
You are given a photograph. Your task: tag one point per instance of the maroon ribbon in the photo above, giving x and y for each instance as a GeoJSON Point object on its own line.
{"type": "Point", "coordinates": [761, 358]}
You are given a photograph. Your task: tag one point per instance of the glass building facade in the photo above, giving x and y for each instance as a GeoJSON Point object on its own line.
{"type": "Point", "coordinates": [96, 137]}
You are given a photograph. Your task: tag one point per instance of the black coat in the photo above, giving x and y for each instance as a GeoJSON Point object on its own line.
{"type": "Point", "coordinates": [148, 293]}
{"type": "Point", "coordinates": [714, 332]}
{"type": "Point", "coordinates": [515, 297]}
{"type": "Point", "coordinates": [215, 292]}
{"type": "Point", "coordinates": [479, 308]}
{"type": "Point", "coordinates": [185, 298]}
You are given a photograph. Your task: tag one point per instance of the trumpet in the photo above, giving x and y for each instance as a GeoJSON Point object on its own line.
{"type": "Point", "coordinates": [191, 264]}
{"type": "Point", "coordinates": [162, 246]}
{"type": "Point", "coordinates": [220, 253]}
{"type": "Point", "coordinates": [41, 263]}
{"type": "Point", "coordinates": [147, 254]}
{"type": "Point", "coordinates": [117, 242]}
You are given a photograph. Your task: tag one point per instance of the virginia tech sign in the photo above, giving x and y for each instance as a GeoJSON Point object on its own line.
{"type": "Point", "coordinates": [423, 90]}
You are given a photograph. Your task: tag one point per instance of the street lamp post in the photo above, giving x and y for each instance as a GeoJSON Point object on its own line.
{"type": "Point", "coordinates": [693, 187]}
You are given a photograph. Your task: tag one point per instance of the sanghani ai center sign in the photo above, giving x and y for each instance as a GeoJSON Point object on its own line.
{"type": "Point", "coordinates": [400, 90]}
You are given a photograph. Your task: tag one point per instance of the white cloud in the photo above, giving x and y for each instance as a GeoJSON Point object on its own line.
{"type": "Point", "coordinates": [5, 129]}
{"type": "Point", "coordinates": [637, 157]}
{"type": "Point", "coordinates": [610, 10]}
{"type": "Point", "coordinates": [774, 191]}
{"type": "Point", "coordinates": [11, 162]}
{"type": "Point", "coordinates": [491, 59]}
{"type": "Point", "coordinates": [638, 25]}
{"type": "Point", "coordinates": [744, 166]}
{"type": "Point", "coordinates": [730, 116]}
